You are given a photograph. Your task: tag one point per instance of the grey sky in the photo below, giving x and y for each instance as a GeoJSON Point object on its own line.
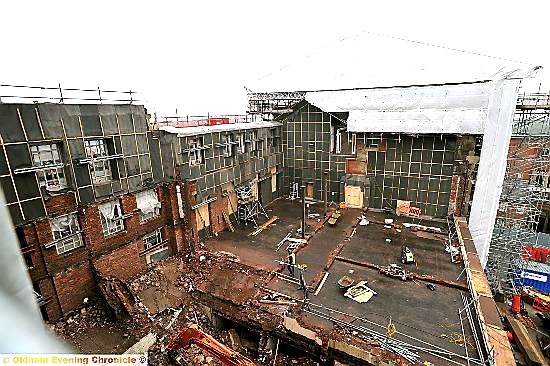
{"type": "Point", "coordinates": [198, 56]}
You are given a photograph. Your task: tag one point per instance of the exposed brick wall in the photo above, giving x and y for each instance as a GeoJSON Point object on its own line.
{"type": "Point", "coordinates": [73, 286]}
{"type": "Point", "coordinates": [122, 263]}
{"type": "Point", "coordinates": [217, 208]}
{"type": "Point", "coordinates": [56, 263]}
{"type": "Point", "coordinates": [31, 247]}
{"type": "Point", "coordinates": [60, 204]}
{"type": "Point", "coordinates": [53, 309]}
{"type": "Point", "coordinates": [133, 228]}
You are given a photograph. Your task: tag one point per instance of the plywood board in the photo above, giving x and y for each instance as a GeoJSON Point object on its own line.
{"type": "Point", "coordinates": [354, 197]}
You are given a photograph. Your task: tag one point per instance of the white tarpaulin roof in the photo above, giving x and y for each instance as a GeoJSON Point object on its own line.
{"type": "Point", "coordinates": [371, 61]}
{"type": "Point", "coordinates": [449, 108]}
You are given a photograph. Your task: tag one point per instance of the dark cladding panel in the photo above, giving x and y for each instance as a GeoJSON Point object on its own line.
{"type": "Point", "coordinates": [18, 156]}
{"type": "Point", "coordinates": [155, 158]}
{"type": "Point", "coordinates": [86, 195]}
{"type": "Point", "coordinates": [3, 164]}
{"type": "Point", "coordinates": [77, 148]}
{"type": "Point", "coordinates": [26, 185]}
{"type": "Point", "coordinates": [70, 115]}
{"type": "Point", "coordinates": [15, 214]}
{"type": "Point", "coordinates": [30, 122]}
{"type": "Point", "coordinates": [132, 166]}
{"type": "Point", "coordinates": [33, 209]}
{"type": "Point", "coordinates": [108, 119]}
{"type": "Point", "coordinates": [82, 175]}
{"type": "Point", "coordinates": [124, 118]}
{"type": "Point", "coordinates": [9, 191]}
{"type": "Point", "coordinates": [50, 119]}
{"type": "Point", "coordinates": [140, 122]}
{"type": "Point", "coordinates": [10, 126]}
{"type": "Point", "coordinates": [89, 119]}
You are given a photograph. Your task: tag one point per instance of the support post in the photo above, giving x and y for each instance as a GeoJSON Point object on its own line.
{"type": "Point", "coordinates": [303, 211]}
{"type": "Point", "coordinates": [326, 191]}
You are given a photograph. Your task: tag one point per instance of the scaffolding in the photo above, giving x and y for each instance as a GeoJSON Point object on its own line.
{"type": "Point", "coordinates": [525, 189]}
{"type": "Point", "coordinates": [249, 205]}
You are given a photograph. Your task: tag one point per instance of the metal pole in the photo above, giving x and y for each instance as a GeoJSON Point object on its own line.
{"type": "Point", "coordinates": [303, 211]}
{"type": "Point", "coordinates": [326, 192]}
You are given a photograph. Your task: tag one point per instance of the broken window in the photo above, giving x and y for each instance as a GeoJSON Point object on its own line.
{"type": "Point", "coordinates": [195, 151]}
{"type": "Point", "coordinates": [51, 174]}
{"type": "Point", "coordinates": [111, 217]}
{"type": "Point", "coordinates": [66, 233]}
{"type": "Point", "coordinates": [96, 150]}
{"type": "Point", "coordinates": [228, 146]}
{"type": "Point", "coordinates": [153, 239]}
{"type": "Point", "coordinates": [148, 204]}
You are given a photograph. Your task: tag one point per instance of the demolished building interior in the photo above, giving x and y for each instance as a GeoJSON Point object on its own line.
{"type": "Point", "coordinates": [132, 227]}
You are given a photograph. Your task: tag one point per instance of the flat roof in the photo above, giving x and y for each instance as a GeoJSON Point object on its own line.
{"type": "Point", "coordinates": [200, 130]}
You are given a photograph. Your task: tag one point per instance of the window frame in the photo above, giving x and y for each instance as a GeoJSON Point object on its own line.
{"type": "Point", "coordinates": [70, 241]}
{"type": "Point", "coordinates": [195, 151]}
{"type": "Point", "coordinates": [157, 235]}
{"type": "Point", "coordinates": [51, 173]}
{"type": "Point", "coordinates": [112, 226]}
{"type": "Point", "coordinates": [154, 214]}
{"type": "Point", "coordinates": [100, 169]}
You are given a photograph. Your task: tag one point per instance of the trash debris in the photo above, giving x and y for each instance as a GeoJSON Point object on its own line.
{"type": "Point", "coordinates": [202, 258]}
{"type": "Point", "coordinates": [388, 241]}
{"type": "Point", "coordinates": [364, 221]}
{"type": "Point", "coordinates": [360, 292]}
{"type": "Point", "coordinates": [388, 221]}
{"type": "Point", "coordinates": [393, 270]}
{"type": "Point", "coordinates": [431, 286]}
{"type": "Point", "coordinates": [387, 226]}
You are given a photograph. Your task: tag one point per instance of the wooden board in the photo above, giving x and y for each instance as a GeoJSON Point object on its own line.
{"type": "Point", "coordinates": [354, 196]}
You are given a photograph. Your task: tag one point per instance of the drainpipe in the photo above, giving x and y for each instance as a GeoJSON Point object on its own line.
{"type": "Point", "coordinates": [326, 192]}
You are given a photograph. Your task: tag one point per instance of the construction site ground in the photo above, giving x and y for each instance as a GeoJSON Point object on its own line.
{"type": "Point", "coordinates": [236, 277]}
{"type": "Point", "coordinates": [431, 316]}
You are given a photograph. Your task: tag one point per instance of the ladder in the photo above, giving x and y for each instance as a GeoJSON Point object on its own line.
{"type": "Point", "coordinates": [229, 224]}
{"type": "Point", "coordinates": [294, 191]}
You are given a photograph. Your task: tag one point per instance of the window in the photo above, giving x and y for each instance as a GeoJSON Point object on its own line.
{"type": "Point", "coordinates": [111, 217]}
{"type": "Point", "coordinates": [240, 142]}
{"type": "Point", "coordinates": [152, 239]}
{"type": "Point", "coordinates": [51, 174]}
{"type": "Point", "coordinates": [148, 204]}
{"type": "Point", "coordinates": [228, 146]}
{"type": "Point", "coordinates": [252, 137]}
{"type": "Point", "coordinates": [338, 144]}
{"type": "Point", "coordinates": [101, 170]}
{"type": "Point", "coordinates": [195, 151]}
{"type": "Point", "coordinates": [66, 233]}
{"type": "Point", "coordinates": [353, 143]}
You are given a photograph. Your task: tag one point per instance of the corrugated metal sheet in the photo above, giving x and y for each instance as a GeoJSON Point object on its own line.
{"type": "Point", "coordinates": [537, 275]}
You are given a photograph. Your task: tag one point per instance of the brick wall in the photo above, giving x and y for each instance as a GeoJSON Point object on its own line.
{"type": "Point", "coordinates": [123, 263]}
{"type": "Point", "coordinates": [53, 309]}
{"type": "Point", "coordinates": [60, 204]}
{"type": "Point", "coordinates": [73, 285]}
{"type": "Point", "coordinates": [133, 228]}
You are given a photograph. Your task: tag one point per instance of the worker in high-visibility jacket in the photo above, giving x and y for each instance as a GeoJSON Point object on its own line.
{"type": "Point", "coordinates": [291, 262]}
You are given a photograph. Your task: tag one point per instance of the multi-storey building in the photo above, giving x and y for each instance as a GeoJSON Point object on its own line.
{"type": "Point", "coordinates": [84, 196]}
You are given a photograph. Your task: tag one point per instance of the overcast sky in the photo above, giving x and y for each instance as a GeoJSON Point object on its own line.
{"type": "Point", "coordinates": [198, 56]}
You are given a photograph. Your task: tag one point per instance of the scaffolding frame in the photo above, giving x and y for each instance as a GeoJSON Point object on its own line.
{"type": "Point", "coordinates": [249, 207]}
{"type": "Point", "coordinates": [525, 189]}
